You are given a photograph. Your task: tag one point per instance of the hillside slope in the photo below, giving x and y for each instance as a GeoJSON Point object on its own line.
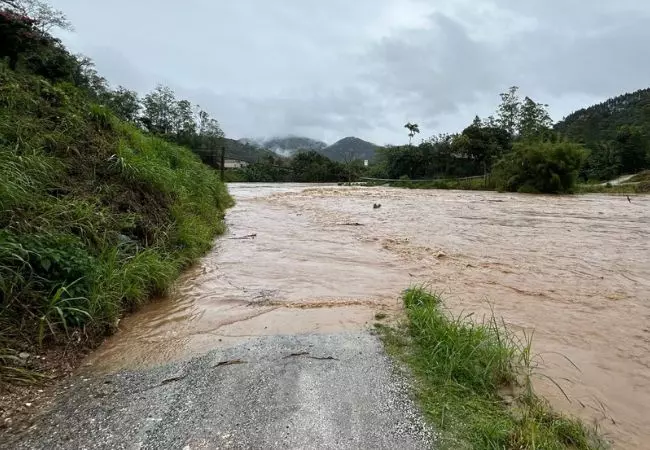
{"type": "Point", "coordinates": [95, 216]}
{"type": "Point", "coordinates": [350, 148]}
{"type": "Point", "coordinates": [290, 145]}
{"type": "Point", "coordinates": [601, 122]}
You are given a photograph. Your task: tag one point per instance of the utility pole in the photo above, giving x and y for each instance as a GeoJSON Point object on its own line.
{"type": "Point", "coordinates": [223, 163]}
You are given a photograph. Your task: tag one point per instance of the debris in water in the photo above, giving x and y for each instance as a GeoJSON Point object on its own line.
{"type": "Point", "coordinates": [351, 224]}
{"type": "Point", "coordinates": [248, 236]}
{"type": "Point", "coordinates": [376, 206]}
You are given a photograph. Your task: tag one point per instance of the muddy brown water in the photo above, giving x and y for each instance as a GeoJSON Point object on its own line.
{"type": "Point", "coordinates": [574, 271]}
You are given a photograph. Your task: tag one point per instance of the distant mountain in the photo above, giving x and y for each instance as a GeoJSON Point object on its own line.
{"type": "Point", "coordinates": [350, 148]}
{"type": "Point", "coordinates": [245, 151]}
{"type": "Point", "coordinates": [253, 142]}
{"type": "Point", "coordinates": [601, 122]}
{"type": "Point", "coordinates": [289, 145]}
{"type": "Point", "coordinates": [234, 150]}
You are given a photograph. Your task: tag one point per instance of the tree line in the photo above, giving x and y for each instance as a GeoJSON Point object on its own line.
{"type": "Point", "coordinates": [517, 149]}
{"type": "Point", "coordinates": [26, 43]}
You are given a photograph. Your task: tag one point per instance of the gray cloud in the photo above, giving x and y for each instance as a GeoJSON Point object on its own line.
{"type": "Point", "coordinates": [338, 68]}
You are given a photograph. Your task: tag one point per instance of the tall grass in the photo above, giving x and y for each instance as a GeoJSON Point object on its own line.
{"type": "Point", "coordinates": [463, 367]}
{"type": "Point", "coordinates": [95, 216]}
{"type": "Point", "coordinates": [470, 184]}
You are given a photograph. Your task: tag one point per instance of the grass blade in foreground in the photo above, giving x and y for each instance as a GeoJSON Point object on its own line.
{"type": "Point", "coordinates": [461, 369]}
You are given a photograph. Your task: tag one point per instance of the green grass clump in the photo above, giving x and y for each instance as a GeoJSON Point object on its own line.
{"type": "Point", "coordinates": [463, 366]}
{"type": "Point", "coordinates": [95, 216]}
{"type": "Point", "coordinates": [641, 177]}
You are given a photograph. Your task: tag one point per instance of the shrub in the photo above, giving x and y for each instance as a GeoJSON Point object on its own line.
{"type": "Point", "coordinates": [540, 167]}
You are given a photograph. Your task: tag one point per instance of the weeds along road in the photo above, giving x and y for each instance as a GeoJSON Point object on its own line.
{"type": "Point", "coordinates": [265, 344]}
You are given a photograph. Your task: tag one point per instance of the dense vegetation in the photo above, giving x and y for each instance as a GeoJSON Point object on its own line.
{"type": "Point", "coordinates": [304, 167]}
{"type": "Point", "coordinates": [464, 367]}
{"type": "Point", "coordinates": [616, 132]}
{"type": "Point", "coordinates": [518, 150]}
{"type": "Point", "coordinates": [96, 216]}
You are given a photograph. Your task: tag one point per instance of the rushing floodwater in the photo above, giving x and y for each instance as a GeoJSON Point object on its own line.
{"type": "Point", "coordinates": [573, 269]}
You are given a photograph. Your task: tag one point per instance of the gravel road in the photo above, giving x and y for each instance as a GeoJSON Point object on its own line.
{"type": "Point", "coordinates": [334, 391]}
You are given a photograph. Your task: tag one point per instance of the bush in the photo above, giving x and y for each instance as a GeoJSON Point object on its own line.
{"type": "Point", "coordinates": [540, 167]}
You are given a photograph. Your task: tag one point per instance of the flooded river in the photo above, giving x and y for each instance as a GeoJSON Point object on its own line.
{"type": "Point", "coordinates": [575, 270]}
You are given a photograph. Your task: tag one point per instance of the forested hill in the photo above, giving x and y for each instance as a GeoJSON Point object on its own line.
{"type": "Point", "coordinates": [350, 148]}
{"type": "Point", "coordinates": [244, 151]}
{"type": "Point", "coordinates": [602, 122]}
{"type": "Point", "coordinates": [290, 145]}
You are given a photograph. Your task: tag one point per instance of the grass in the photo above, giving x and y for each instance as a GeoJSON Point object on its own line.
{"type": "Point", "coordinates": [641, 177]}
{"type": "Point", "coordinates": [642, 186]}
{"type": "Point", "coordinates": [462, 367]}
{"type": "Point", "coordinates": [473, 184]}
{"type": "Point", "coordinates": [95, 217]}
{"type": "Point", "coordinates": [625, 188]}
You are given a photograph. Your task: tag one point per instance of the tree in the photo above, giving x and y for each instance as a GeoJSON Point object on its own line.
{"type": "Point", "coordinates": [42, 13]}
{"type": "Point", "coordinates": [184, 118]}
{"type": "Point", "coordinates": [160, 110]}
{"type": "Point", "coordinates": [603, 163]}
{"type": "Point", "coordinates": [17, 36]}
{"type": "Point", "coordinates": [413, 129]}
{"type": "Point", "coordinates": [632, 148]}
{"type": "Point", "coordinates": [124, 103]}
{"type": "Point", "coordinates": [508, 112]}
{"type": "Point", "coordinates": [89, 79]}
{"type": "Point", "coordinates": [534, 120]}
{"type": "Point", "coordinates": [481, 145]}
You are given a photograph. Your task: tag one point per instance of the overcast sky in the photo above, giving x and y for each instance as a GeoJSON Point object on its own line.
{"type": "Point", "coordinates": [334, 68]}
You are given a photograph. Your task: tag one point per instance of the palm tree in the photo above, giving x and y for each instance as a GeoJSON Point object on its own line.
{"type": "Point", "coordinates": [413, 128]}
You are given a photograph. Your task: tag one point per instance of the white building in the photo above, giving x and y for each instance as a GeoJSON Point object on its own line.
{"type": "Point", "coordinates": [234, 164]}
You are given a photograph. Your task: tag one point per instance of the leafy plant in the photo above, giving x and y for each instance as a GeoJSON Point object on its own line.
{"type": "Point", "coordinates": [540, 167]}
{"type": "Point", "coordinates": [61, 311]}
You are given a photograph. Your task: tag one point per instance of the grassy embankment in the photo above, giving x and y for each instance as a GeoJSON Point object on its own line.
{"type": "Point", "coordinates": [462, 370]}
{"type": "Point", "coordinates": [95, 218]}
{"type": "Point", "coordinates": [639, 184]}
{"type": "Point", "coordinates": [471, 184]}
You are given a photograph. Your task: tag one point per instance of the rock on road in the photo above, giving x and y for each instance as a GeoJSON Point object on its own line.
{"type": "Point", "coordinates": [334, 391]}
